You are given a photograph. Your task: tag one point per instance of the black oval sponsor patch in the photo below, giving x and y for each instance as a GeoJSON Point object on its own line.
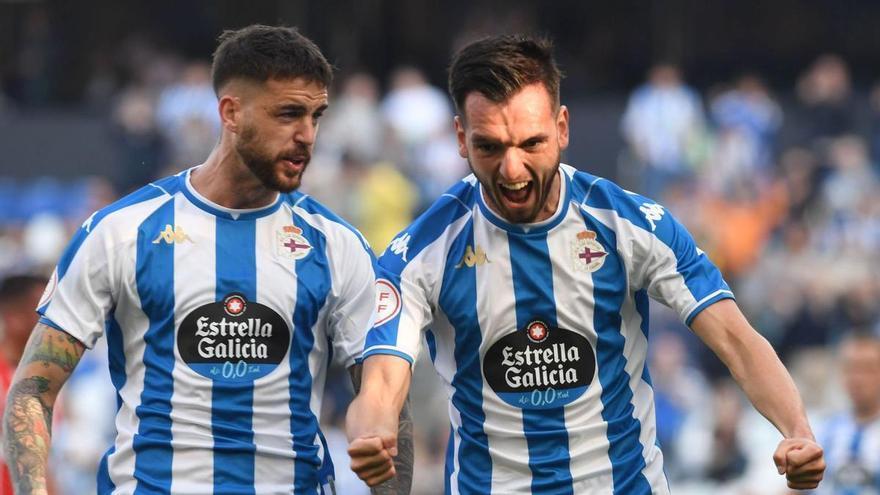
{"type": "Point", "coordinates": [540, 367]}
{"type": "Point", "coordinates": [233, 339]}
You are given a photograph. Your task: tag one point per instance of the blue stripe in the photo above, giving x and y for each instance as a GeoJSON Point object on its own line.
{"type": "Point", "coordinates": [232, 402]}
{"type": "Point", "coordinates": [545, 431]}
{"type": "Point", "coordinates": [458, 296]}
{"type": "Point", "coordinates": [700, 276]}
{"type": "Point", "coordinates": [432, 344]}
{"type": "Point", "coordinates": [154, 277]}
{"type": "Point", "coordinates": [116, 358]}
{"type": "Point", "coordinates": [625, 449]}
{"type": "Point", "coordinates": [388, 352]}
{"type": "Point", "coordinates": [642, 302]}
{"type": "Point", "coordinates": [145, 193]}
{"type": "Point", "coordinates": [312, 288]}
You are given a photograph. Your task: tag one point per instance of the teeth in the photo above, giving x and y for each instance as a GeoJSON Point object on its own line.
{"type": "Point", "coordinates": [516, 186]}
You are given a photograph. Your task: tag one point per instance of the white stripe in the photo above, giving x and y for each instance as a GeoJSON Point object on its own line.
{"type": "Point", "coordinates": [276, 288]}
{"type": "Point", "coordinates": [694, 306]}
{"type": "Point", "coordinates": [134, 324]}
{"type": "Point", "coordinates": [635, 344]}
{"type": "Point", "coordinates": [388, 347]}
{"type": "Point", "coordinates": [195, 276]}
{"type": "Point", "coordinates": [587, 432]}
{"type": "Point", "coordinates": [667, 285]}
{"type": "Point", "coordinates": [496, 311]}
{"type": "Point", "coordinates": [424, 271]}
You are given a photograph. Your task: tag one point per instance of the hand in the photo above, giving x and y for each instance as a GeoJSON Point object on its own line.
{"type": "Point", "coordinates": [802, 461]}
{"type": "Point", "coordinates": [372, 436]}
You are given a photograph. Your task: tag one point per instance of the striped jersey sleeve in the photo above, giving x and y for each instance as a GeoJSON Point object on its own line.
{"type": "Point", "coordinates": [663, 255]}
{"type": "Point", "coordinates": [83, 287]}
{"type": "Point", "coordinates": [353, 267]}
{"type": "Point", "coordinates": [409, 271]}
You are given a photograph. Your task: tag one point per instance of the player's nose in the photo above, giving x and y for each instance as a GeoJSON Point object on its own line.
{"type": "Point", "coordinates": [305, 133]}
{"type": "Point", "coordinates": [513, 167]}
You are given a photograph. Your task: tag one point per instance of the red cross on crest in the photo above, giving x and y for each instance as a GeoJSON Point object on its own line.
{"type": "Point", "coordinates": [587, 255]}
{"type": "Point", "coordinates": [293, 245]}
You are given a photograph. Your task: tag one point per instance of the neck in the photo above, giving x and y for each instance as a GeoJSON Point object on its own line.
{"type": "Point", "coordinates": [227, 181]}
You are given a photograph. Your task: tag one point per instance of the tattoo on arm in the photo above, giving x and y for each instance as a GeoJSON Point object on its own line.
{"type": "Point", "coordinates": [403, 463]}
{"type": "Point", "coordinates": [48, 360]}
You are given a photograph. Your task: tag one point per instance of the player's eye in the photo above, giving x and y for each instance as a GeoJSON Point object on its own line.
{"type": "Point", "coordinates": [487, 148]}
{"type": "Point", "coordinates": [531, 144]}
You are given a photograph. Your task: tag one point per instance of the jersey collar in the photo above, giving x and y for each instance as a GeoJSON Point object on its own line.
{"type": "Point", "coordinates": [530, 228]}
{"type": "Point", "coordinates": [221, 211]}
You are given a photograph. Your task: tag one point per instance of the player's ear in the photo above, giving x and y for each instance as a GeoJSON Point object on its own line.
{"type": "Point", "coordinates": [461, 136]}
{"type": "Point", "coordinates": [562, 126]}
{"type": "Point", "coordinates": [230, 112]}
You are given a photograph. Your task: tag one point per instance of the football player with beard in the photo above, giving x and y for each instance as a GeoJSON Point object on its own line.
{"type": "Point", "coordinates": [222, 291]}
{"type": "Point", "coordinates": [529, 281]}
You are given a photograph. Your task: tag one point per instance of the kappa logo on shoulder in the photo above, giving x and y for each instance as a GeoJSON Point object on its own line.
{"type": "Point", "coordinates": [400, 246]}
{"type": "Point", "coordinates": [172, 235]}
{"type": "Point", "coordinates": [473, 258]}
{"type": "Point", "coordinates": [653, 213]}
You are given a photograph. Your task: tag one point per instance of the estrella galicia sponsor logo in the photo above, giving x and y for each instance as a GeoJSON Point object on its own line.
{"type": "Point", "coordinates": [540, 366]}
{"type": "Point", "coordinates": [233, 339]}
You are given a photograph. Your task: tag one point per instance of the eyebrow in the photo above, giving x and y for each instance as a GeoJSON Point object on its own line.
{"type": "Point", "coordinates": [481, 139]}
{"type": "Point", "coordinates": [299, 108]}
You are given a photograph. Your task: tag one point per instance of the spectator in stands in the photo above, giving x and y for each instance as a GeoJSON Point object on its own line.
{"type": "Point", "coordinates": [663, 125]}
{"type": "Point", "coordinates": [825, 96]}
{"type": "Point", "coordinates": [852, 438]}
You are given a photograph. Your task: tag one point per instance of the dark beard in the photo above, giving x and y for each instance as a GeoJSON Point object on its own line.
{"type": "Point", "coordinates": [263, 166]}
{"type": "Point", "coordinates": [541, 190]}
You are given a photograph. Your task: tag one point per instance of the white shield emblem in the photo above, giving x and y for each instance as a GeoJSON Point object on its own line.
{"type": "Point", "coordinates": [586, 253]}
{"type": "Point", "coordinates": [291, 244]}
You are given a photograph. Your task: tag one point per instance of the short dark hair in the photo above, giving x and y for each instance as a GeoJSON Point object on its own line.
{"type": "Point", "coordinates": [260, 53]}
{"type": "Point", "coordinates": [499, 66]}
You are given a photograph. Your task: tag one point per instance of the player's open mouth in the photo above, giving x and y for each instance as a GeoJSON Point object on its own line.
{"type": "Point", "coordinates": [294, 163]}
{"type": "Point", "coordinates": [516, 192]}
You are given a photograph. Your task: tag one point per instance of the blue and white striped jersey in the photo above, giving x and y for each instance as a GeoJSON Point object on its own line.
{"type": "Point", "coordinates": [852, 453]}
{"type": "Point", "coordinates": [220, 325]}
{"type": "Point", "coordinates": [540, 332]}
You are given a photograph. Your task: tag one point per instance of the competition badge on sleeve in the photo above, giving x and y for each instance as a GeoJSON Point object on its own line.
{"type": "Point", "coordinates": [291, 244]}
{"type": "Point", "coordinates": [586, 252]}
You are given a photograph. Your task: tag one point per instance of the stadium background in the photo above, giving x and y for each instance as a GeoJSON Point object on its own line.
{"type": "Point", "coordinates": [768, 150]}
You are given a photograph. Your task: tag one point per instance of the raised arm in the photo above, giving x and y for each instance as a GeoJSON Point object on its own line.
{"type": "Point", "coordinates": [379, 425]}
{"type": "Point", "coordinates": [49, 359]}
{"type": "Point", "coordinates": [756, 368]}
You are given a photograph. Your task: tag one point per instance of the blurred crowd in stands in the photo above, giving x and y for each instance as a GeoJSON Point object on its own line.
{"type": "Point", "coordinates": [794, 224]}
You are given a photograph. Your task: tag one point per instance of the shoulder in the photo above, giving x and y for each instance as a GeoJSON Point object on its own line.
{"type": "Point", "coordinates": [596, 194]}
{"type": "Point", "coordinates": [452, 208]}
{"type": "Point", "coordinates": [325, 221]}
{"type": "Point", "coordinates": [137, 204]}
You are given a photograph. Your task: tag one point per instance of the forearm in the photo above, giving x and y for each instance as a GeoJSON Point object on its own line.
{"type": "Point", "coordinates": [401, 484]}
{"type": "Point", "coordinates": [770, 388]}
{"type": "Point", "coordinates": [49, 359]}
{"type": "Point", "coordinates": [27, 426]}
{"type": "Point", "coordinates": [755, 367]}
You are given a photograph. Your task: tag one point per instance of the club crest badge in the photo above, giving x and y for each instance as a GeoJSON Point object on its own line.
{"type": "Point", "coordinates": [291, 244]}
{"type": "Point", "coordinates": [587, 253]}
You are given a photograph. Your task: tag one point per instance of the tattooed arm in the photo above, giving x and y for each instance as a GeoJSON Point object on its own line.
{"type": "Point", "coordinates": [401, 483]}
{"type": "Point", "coordinates": [49, 359]}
